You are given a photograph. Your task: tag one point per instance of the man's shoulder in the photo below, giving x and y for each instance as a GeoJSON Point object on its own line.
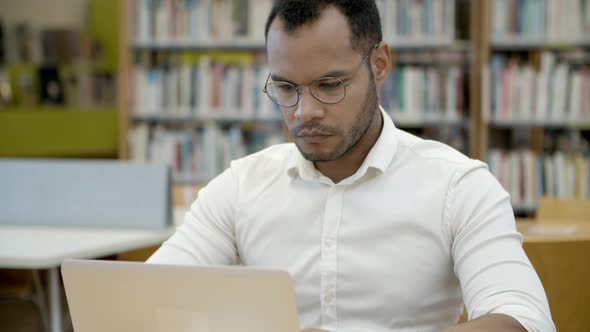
{"type": "Point", "coordinates": [434, 152]}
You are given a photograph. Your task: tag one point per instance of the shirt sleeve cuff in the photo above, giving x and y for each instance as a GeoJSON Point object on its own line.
{"type": "Point", "coordinates": [531, 320]}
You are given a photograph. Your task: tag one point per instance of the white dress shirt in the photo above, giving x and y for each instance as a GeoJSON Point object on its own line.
{"type": "Point", "coordinates": [400, 245]}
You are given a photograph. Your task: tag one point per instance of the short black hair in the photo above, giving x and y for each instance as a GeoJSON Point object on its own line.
{"type": "Point", "coordinates": [362, 15]}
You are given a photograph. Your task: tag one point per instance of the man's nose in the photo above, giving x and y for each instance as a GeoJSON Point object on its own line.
{"type": "Point", "coordinates": [308, 108]}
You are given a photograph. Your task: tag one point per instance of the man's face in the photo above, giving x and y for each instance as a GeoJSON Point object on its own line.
{"type": "Point", "coordinates": [323, 132]}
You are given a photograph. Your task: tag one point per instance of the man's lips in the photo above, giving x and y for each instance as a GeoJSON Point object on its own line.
{"type": "Point", "coordinates": [312, 136]}
{"type": "Point", "coordinates": [312, 133]}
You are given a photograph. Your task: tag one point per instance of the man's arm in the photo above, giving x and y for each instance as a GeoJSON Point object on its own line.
{"type": "Point", "coordinates": [489, 323]}
{"type": "Point", "coordinates": [207, 236]}
{"type": "Point", "coordinates": [496, 276]}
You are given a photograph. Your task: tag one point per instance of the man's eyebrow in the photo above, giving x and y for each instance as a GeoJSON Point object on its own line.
{"type": "Point", "coordinates": [332, 73]}
{"type": "Point", "coordinates": [278, 78]}
{"type": "Point", "coordinates": [336, 73]}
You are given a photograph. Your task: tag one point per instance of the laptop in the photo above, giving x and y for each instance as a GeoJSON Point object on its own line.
{"type": "Point", "coordinates": [129, 296]}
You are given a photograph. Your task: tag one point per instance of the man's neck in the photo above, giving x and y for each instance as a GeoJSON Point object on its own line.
{"type": "Point", "coordinates": [351, 161]}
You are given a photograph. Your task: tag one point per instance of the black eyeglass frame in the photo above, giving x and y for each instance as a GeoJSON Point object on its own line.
{"type": "Point", "coordinates": [300, 88]}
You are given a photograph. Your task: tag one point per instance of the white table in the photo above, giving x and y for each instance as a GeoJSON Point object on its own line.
{"type": "Point", "coordinates": [45, 247]}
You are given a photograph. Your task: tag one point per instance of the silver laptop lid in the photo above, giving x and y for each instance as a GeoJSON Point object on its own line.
{"type": "Point", "coordinates": [125, 296]}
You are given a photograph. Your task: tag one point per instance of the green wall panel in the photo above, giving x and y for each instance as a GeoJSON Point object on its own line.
{"type": "Point", "coordinates": [59, 133]}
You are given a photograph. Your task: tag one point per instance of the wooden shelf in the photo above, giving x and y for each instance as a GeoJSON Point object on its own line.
{"type": "Point", "coordinates": [223, 117]}
{"type": "Point", "coordinates": [59, 132]}
{"type": "Point", "coordinates": [191, 179]}
{"type": "Point", "coordinates": [527, 43]}
{"type": "Point", "coordinates": [422, 43]}
{"type": "Point", "coordinates": [246, 45]}
{"type": "Point", "coordinates": [524, 208]}
{"type": "Point", "coordinates": [238, 45]}
{"type": "Point", "coordinates": [425, 119]}
{"type": "Point", "coordinates": [400, 119]}
{"type": "Point", "coordinates": [543, 123]}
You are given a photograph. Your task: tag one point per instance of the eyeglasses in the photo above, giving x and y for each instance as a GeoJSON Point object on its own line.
{"type": "Point", "coordinates": [328, 90]}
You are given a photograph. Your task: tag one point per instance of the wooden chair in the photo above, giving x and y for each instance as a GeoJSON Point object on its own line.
{"type": "Point", "coordinates": [554, 210]}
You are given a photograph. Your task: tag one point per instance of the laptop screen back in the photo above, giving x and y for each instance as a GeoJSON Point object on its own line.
{"type": "Point", "coordinates": [124, 296]}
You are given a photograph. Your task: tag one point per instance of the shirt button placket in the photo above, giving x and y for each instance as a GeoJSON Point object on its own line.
{"type": "Point", "coordinates": [329, 265]}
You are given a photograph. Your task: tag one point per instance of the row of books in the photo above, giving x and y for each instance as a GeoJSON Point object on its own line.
{"type": "Point", "coordinates": [197, 155]}
{"type": "Point", "coordinates": [425, 92]}
{"type": "Point", "coordinates": [206, 86]}
{"type": "Point", "coordinates": [556, 91]}
{"type": "Point", "coordinates": [527, 176]}
{"type": "Point", "coordinates": [222, 21]}
{"type": "Point", "coordinates": [550, 20]}
{"type": "Point", "coordinates": [30, 86]}
{"type": "Point", "coordinates": [212, 87]}
{"type": "Point", "coordinates": [198, 21]}
{"type": "Point", "coordinates": [52, 66]}
{"type": "Point", "coordinates": [417, 20]}
{"type": "Point", "coordinates": [26, 43]}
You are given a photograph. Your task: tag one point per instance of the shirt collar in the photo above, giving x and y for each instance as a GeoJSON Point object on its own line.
{"type": "Point", "coordinates": [379, 158]}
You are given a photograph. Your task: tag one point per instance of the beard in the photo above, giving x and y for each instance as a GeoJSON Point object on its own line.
{"type": "Point", "coordinates": [349, 137]}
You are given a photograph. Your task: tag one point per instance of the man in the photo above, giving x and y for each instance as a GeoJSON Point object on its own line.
{"type": "Point", "coordinates": [380, 230]}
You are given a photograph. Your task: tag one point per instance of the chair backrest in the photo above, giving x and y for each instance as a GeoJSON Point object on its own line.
{"type": "Point", "coordinates": [552, 209]}
{"type": "Point", "coordinates": [85, 193]}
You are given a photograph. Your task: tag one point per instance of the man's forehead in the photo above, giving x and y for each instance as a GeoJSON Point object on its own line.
{"type": "Point", "coordinates": [301, 67]}
{"type": "Point", "coordinates": [328, 34]}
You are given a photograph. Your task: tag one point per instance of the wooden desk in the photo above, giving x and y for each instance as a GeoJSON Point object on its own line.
{"type": "Point", "coordinates": [560, 253]}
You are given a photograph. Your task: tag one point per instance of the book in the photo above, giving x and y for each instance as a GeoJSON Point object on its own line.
{"type": "Point", "coordinates": [25, 84]}
{"type": "Point", "coordinates": [51, 86]}
{"type": "Point", "coordinates": [424, 93]}
{"type": "Point", "coordinates": [62, 46]}
{"type": "Point", "coordinates": [24, 43]}
{"type": "Point", "coordinates": [417, 20]}
{"type": "Point", "coordinates": [198, 21]}
{"type": "Point", "coordinates": [6, 98]}
{"type": "Point", "coordinates": [527, 176]}
{"type": "Point", "coordinates": [551, 21]}
{"type": "Point", "coordinates": [198, 154]}
{"type": "Point", "coordinates": [3, 59]}
{"type": "Point", "coordinates": [556, 93]}
{"type": "Point", "coordinates": [210, 85]}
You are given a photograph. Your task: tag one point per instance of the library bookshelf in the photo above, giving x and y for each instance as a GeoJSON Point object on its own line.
{"type": "Point", "coordinates": [441, 84]}
{"type": "Point", "coordinates": [193, 54]}
{"type": "Point", "coordinates": [536, 99]}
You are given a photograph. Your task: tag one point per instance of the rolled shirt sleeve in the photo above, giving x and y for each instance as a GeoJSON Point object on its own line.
{"type": "Point", "coordinates": [207, 236]}
{"type": "Point", "coordinates": [495, 274]}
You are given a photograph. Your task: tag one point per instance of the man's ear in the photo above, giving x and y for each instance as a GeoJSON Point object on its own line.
{"type": "Point", "coordinates": [381, 63]}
